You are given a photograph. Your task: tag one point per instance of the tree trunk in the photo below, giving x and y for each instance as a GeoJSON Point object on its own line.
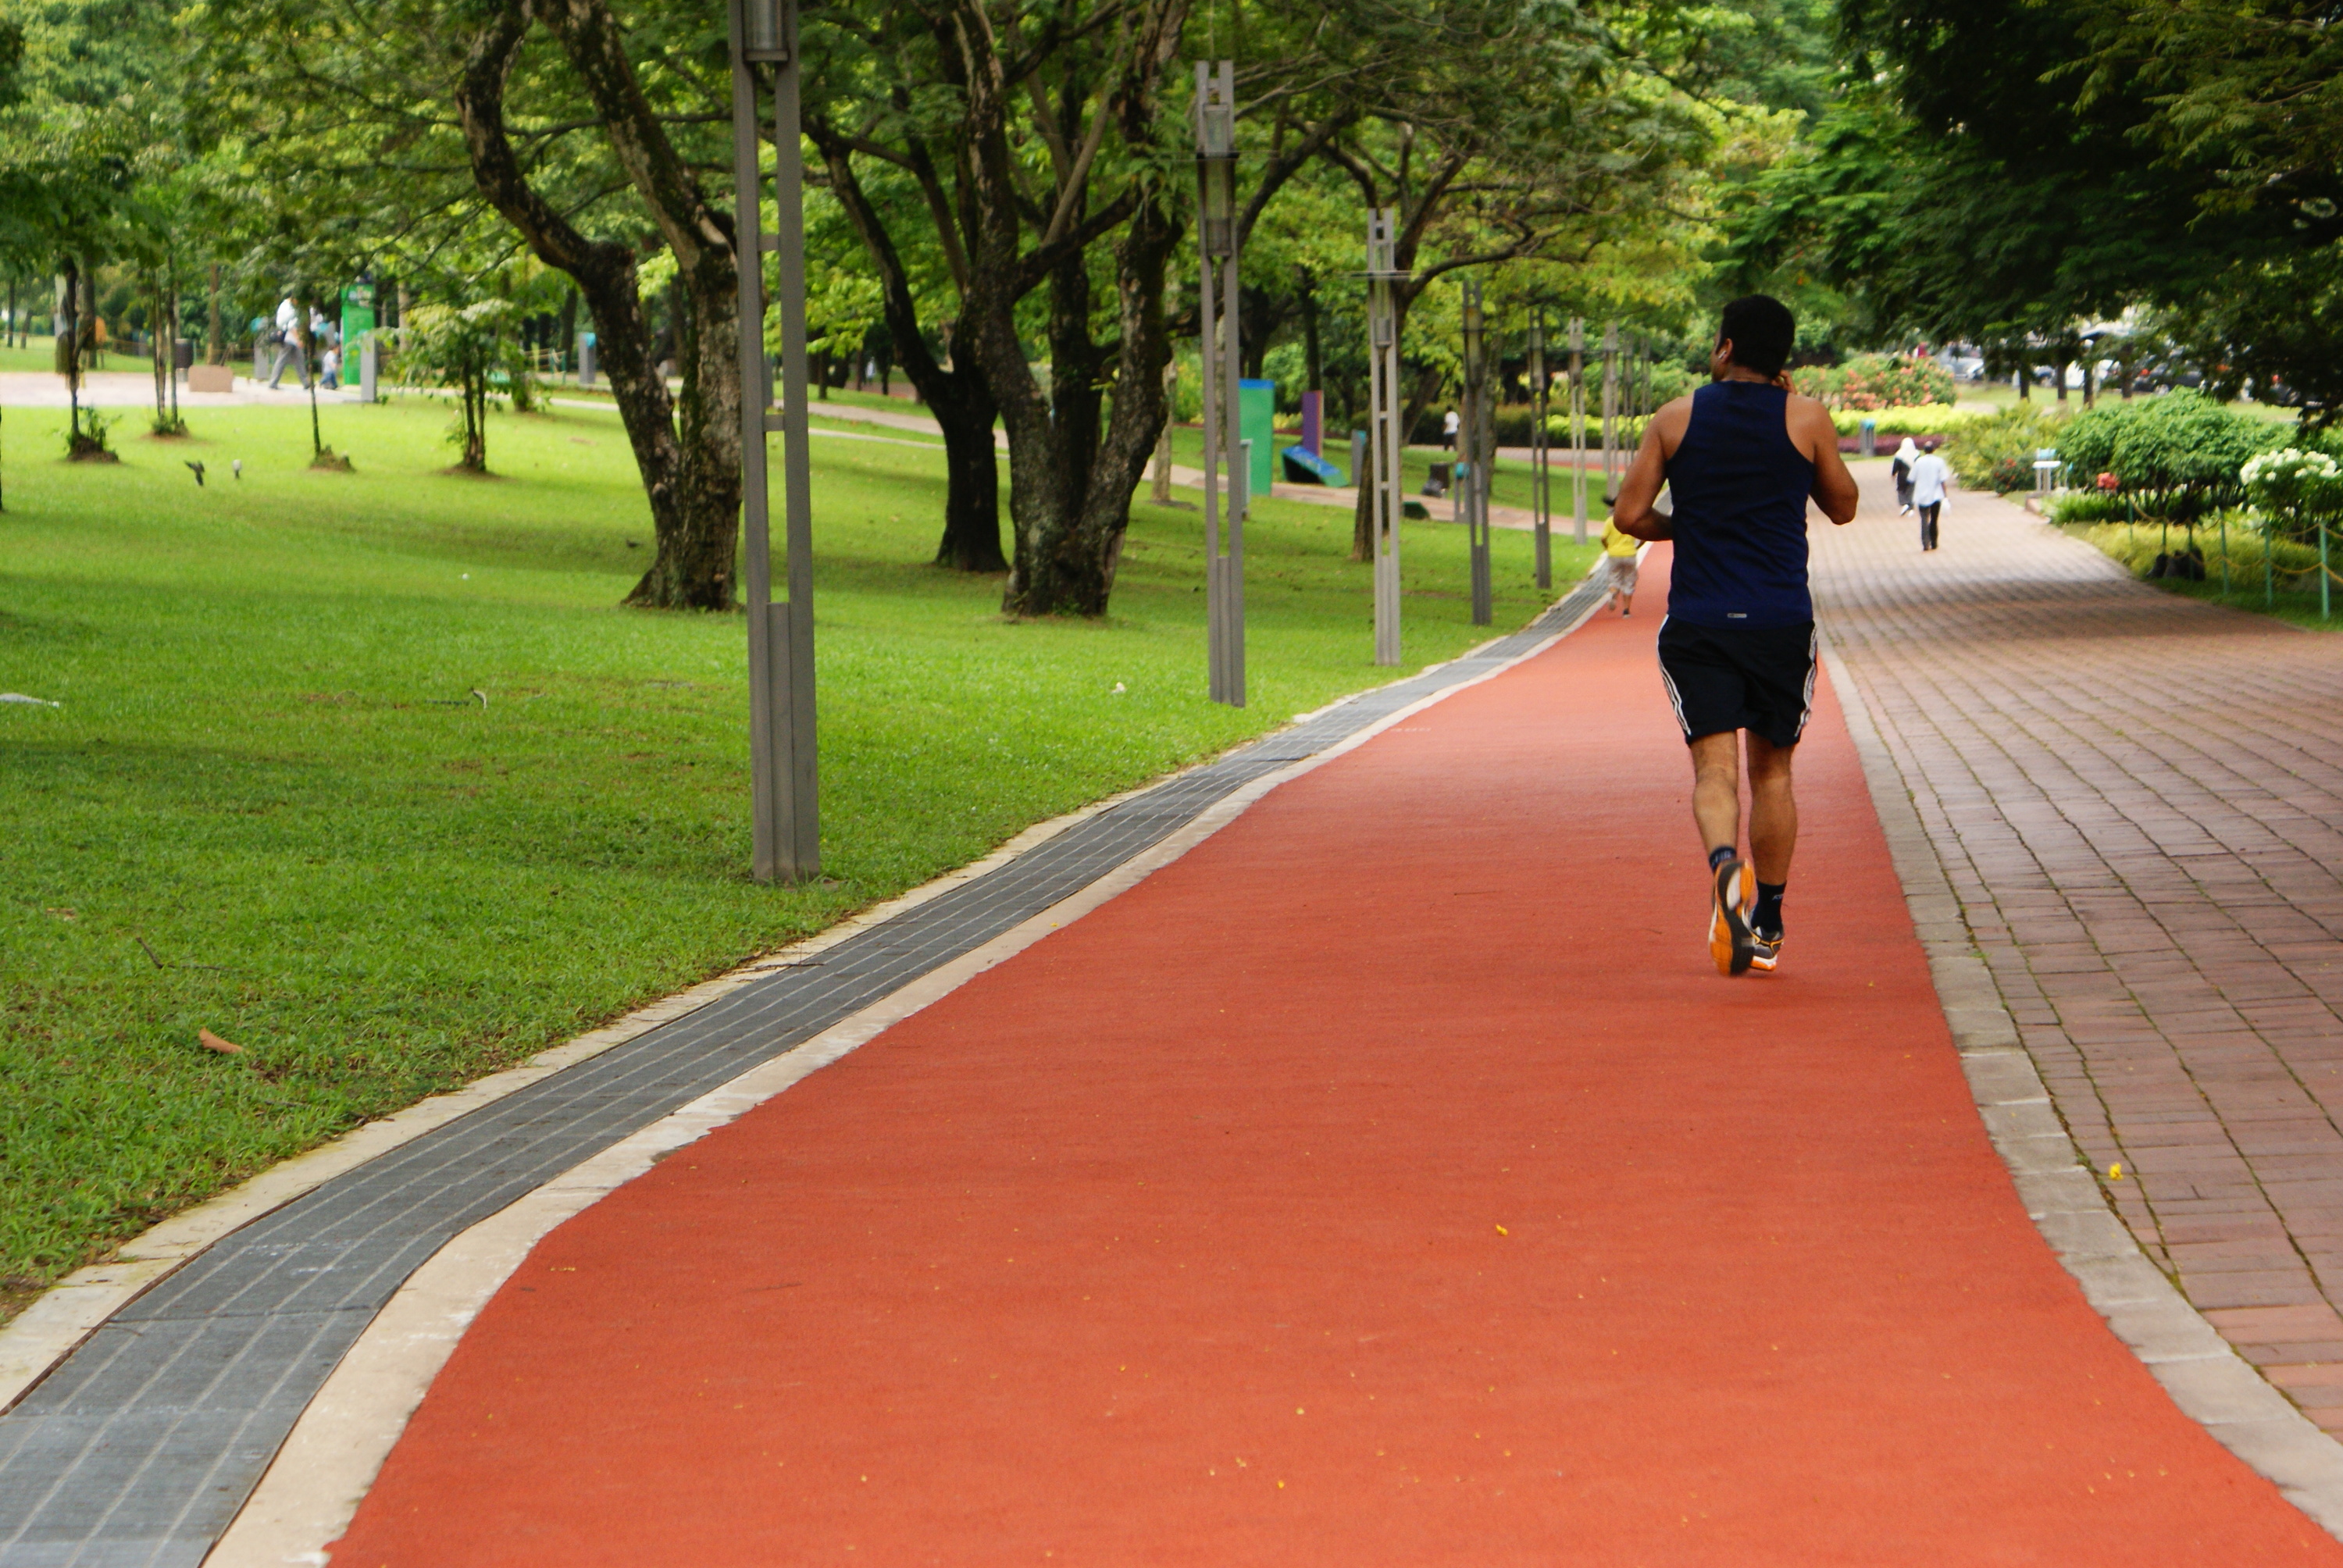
{"type": "Point", "coordinates": [1161, 494]}
{"type": "Point", "coordinates": [1313, 364]}
{"type": "Point", "coordinates": [160, 346]}
{"type": "Point", "coordinates": [957, 397]}
{"type": "Point", "coordinates": [69, 343]}
{"type": "Point", "coordinates": [1069, 487]}
{"type": "Point", "coordinates": [568, 345]}
{"type": "Point", "coordinates": [690, 469]}
{"type": "Point", "coordinates": [215, 339]}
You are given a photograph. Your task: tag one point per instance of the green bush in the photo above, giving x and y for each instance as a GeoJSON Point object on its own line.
{"type": "Point", "coordinates": [1997, 453]}
{"type": "Point", "coordinates": [1920, 419]}
{"type": "Point", "coordinates": [2180, 451]}
{"type": "Point", "coordinates": [2094, 506]}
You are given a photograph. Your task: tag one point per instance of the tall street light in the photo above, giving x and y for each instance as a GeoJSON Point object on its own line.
{"type": "Point", "coordinates": [1384, 276]}
{"type": "Point", "coordinates": [1478, 443]}
{"type": "Point", "coordinates": [1610, 416]}
{"type": "Point", "coordinates": [1540, 475]}
{"type": "Point", "coordinates": [783, 777]}
{"type": "Point", "coordinates": [1578, 427]}
{"type": "Point", "coordinates": [1216, 313]}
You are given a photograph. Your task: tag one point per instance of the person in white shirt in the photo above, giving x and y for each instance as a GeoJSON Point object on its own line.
{"type": "Point", "coordinates": [1448, 426]}
{"type": "Point", "coordinates": [288, 345]}
{"type": "Point", "coordinates": [1931, 477]}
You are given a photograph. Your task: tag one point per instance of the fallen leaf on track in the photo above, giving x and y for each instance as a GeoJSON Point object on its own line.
{"type": "Point", "coordinates": [211, 1042]}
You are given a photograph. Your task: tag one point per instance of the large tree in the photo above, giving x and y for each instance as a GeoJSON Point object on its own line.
{"type": "Point", "coordinates": [389, 130]}
{"type": "Point", "coordinates": [2005, 171]}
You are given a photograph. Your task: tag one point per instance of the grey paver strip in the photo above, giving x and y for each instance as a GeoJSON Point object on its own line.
{"type": "Point", "coordinates": [2135, 803]}
{"type": "Point", "coordinates": [141, 1445]}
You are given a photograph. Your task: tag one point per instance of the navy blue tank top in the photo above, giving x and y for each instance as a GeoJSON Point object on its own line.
{"type": "Point", "coordinates": [1740, 490]}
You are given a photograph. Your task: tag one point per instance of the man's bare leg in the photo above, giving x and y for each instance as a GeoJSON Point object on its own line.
{"type": "Point", "coordinates": [1717, 790]}
{"type": "Point", "coordinates": [1773, 809]}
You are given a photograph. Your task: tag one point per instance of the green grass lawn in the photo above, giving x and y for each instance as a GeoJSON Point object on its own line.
{"type": "Point", "coordinates": [272, 805]}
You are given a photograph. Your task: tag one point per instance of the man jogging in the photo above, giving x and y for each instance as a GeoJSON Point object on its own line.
{"type": "Point", "coordinates": [1740, 456]}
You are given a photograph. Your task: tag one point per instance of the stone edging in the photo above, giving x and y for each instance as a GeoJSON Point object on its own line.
{"type": "Point", "coordinates": [2210, 1382]}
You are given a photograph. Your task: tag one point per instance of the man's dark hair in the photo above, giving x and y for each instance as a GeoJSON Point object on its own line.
{"type": "Point", "coordinates": [1762, 331]}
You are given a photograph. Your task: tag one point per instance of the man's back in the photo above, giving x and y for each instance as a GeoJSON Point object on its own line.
{"type": "Point", "coordinates": [1740, 486]}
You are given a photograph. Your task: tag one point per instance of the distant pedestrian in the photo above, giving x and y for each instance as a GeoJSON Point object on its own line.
{"type": "Point", "coordinates": [288, 345]}
{"type": "Point", "coordinates": [1619, 561]}
{"type": "Point", "coordinates": [329, 369]}
{"type": "Point", "coordinates": [1905, 455]}
{"type": "Point", "coordinates": [1448, 426]}
{"type": "Point", "coordinates": [1930, 478]}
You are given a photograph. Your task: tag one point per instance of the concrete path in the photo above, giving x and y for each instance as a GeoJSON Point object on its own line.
{"type": "Point", "coordinates": [2138, 799]}
{"type": "Point", "coordinates": [1388, 1180]}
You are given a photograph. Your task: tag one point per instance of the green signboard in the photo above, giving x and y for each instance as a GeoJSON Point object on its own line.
{"type": "Point", "coordinates": [1257, 423]}
{"type": "Point", "coordinates": [357, 321]}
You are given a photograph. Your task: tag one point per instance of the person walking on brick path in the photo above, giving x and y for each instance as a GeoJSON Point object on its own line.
{"type": "Point", "coordinates": [1740, 456]}
{"type": "Point", "coordinates": [1619, 567]}
{"type": "Point", "coordinates": [1930, 476]}
{"type": "Point", "coordinates": [1905, 455]}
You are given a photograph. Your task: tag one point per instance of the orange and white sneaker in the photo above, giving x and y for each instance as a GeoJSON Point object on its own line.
{"type": "Point", "coordinates": [1765, 951]}
{"type": "Point", "coordinates": [1730, 942]}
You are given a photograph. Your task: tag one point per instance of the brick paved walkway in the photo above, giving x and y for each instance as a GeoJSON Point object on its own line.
{"type": "Point", "coordinates": [2138, 800]}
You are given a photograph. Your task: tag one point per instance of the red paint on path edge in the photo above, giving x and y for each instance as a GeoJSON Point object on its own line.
{"type": "Point", "coordinates": [1390, 1179]}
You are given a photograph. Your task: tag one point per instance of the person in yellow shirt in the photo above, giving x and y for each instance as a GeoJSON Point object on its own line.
{"type": "Point", "coordinates": [1619, 561]}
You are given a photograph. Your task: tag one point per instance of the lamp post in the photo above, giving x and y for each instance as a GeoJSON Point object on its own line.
{"type": "Point", "coordinates": [1578, 427]}
{"type": "Point", "coordinates": [1610, 414]}
{"type": "Point", "coordinates": [1216, 311]}
{"type": "Point", "coordinates": [1540, 475]}
{"type": "Point", "coordinates": [1384, 276]}
{"type": "Point", "coordinates": [787, 826]}
{"type": "Point", "coordinates": [1477, 429]}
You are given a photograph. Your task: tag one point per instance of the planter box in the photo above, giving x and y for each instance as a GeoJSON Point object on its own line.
{"type": "Point", "coordinates": [210, 378]}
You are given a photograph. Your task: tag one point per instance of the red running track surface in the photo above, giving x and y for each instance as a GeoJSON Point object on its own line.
{"type": "Point", "coordinates": [1389, 1181]}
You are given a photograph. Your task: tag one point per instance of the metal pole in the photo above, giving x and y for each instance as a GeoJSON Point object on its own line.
{"type": "Point", "coordinates": [1541, 476]}
{"type": "Point", "coordinates": [2325, 604]}
{"type": "Point", "coordinates": [1478, 431]}
{"type": "Point", "coordinates": [1216, 308]}
{"type": "Point", "coordinates": [1383, 423]}
{"type": "Point", "coordinates": [1610, 414]}
{"type": "Point", "coordinates": [786, 825]}
{"type": "Point", "coordinates": [1578, 428]}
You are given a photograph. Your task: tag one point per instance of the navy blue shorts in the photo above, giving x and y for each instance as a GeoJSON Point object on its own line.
{"type": "Point", "coordinates": [1761, 681]}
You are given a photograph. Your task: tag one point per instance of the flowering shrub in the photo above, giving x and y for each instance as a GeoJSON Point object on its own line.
{"type": "Point", "coordinates": [1893, 381]}
{"type": "Point", "coordinates": [2291, 480]}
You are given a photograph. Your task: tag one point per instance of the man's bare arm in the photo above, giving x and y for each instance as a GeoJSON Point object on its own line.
{"type": "Point", "coordinates": [1636, 511]}
{"type": "Point", "coordinates": [1834, 486]}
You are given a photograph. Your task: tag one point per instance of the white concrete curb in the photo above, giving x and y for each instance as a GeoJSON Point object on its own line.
{"type": "Point", "coordinates": [2208, 1380]}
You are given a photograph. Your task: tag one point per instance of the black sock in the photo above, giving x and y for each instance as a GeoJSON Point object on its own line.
{"type": "Point", "coordinates": [1718, 856]}
{"type": "Point", "coordinates": [1768, 915]}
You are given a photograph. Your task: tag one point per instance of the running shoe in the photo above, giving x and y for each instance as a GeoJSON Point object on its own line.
{"type": "Point", "coordinates": [1729, 941]}
{"type": "Point", "coordinates": [1765, 951]}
